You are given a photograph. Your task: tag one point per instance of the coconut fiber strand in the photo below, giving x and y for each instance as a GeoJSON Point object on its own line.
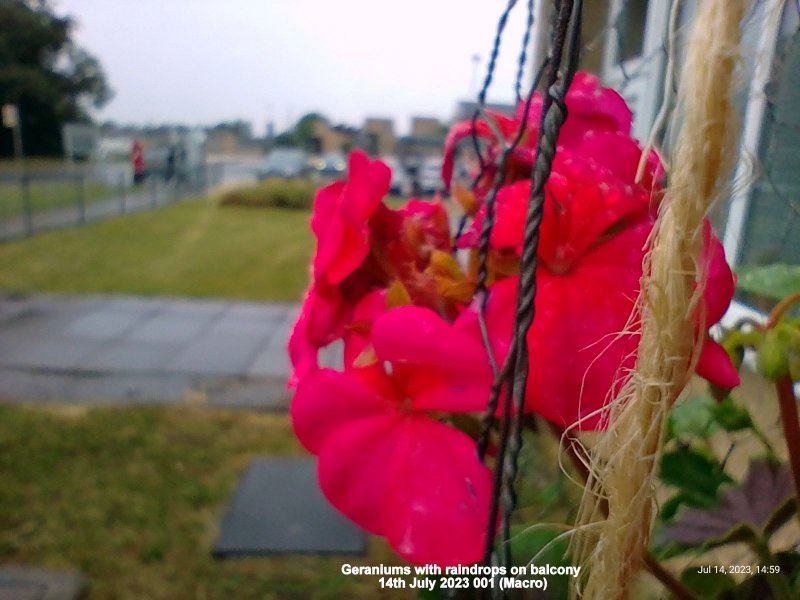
{"type": "Point", "coordinates": [616, 514]}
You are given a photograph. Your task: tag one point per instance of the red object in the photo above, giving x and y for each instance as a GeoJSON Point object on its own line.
{"type": "Point", "coordinates": [137, 157]}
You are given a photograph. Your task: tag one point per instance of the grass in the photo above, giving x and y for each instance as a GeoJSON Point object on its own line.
{"type": "Point", "coordinates": [132, 497]}
{"type": "Point", "coordinates": [47, 195]}
{"type": "Point", "coordinates": [194, 248]}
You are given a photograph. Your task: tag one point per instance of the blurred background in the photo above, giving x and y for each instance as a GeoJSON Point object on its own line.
{"type": "Point", "coordinates": [158, 161]}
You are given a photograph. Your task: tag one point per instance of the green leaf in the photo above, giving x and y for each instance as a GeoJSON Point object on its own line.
{"type": "Point", "coordinates": [774, 281]}
{"type": "Point", "coordinates": [695, 474]}
{"type": "Point", "coordinates": [539, 543]}
{"type": "Point", "coordinates": [777, 348]}
{"type": "Point", "coordinates": [708, 586]}
{"type": "Point", "coordinates": [730, 416]}
{"type": "Point", "coordinates": [691, 418]}
{"type": "Point", "coordinates": [756, 506]}
{"type": "Point", "coordinates": [434, 594]}
{"type": "Point", "coordinates": [671, 506]}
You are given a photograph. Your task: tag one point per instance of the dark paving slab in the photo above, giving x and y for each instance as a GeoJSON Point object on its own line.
{"type": "Point", "coordinates": [279, 509]}
{"type": "Point", "coordinates": [26, 583]}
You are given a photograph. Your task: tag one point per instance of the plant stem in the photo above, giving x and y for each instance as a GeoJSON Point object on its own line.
{"type": "Point", "coordinates": [791, 429]}
{"type": "Point", "coordinates": [778, 583]}
{"type": "Point", "coordinates": [781, 308]}
{"type": "Point", "coordinates": [667, 579]}
{"type": "Point", "coordinates": [655, 568]}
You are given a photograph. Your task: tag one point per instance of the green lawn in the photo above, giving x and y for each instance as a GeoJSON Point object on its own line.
{"type": "Point", "coordinates": [132, 498]}
{"type": "Point", "coordinates": [194, 248]}
{"type": "Point", "coordinates": [47, 195]}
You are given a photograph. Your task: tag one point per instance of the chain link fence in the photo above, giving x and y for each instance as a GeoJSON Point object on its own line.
{"type": "Point", "coordinates": [37, 198]}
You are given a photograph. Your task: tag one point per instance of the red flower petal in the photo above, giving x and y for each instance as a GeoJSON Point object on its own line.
{"type": "Point", "coordinates": [577, 358]}
{"type": "Point", "coordinates": [720, 283]}
{"type": "Point", "coordinates": [357, 468]}
{"type": "Point", "coordinates": [341, 215]}
{"type": "Point", "coordinates": [464, 129]}
{"type": "Point", "coordinates": [357, 335]}
{"type": "Point", "coordinates": [412, 334]}
{"type": "Point", "coordinates": [439, 502]}
{"type": "Point", "coordinates": [412, 479]}
{"type": "Point", "coordinates": [716, 366]}
{"type": "Point", "coordinates": [321, 321]}
{"type": "Point", "coordinates": [325, 400]}
{"type": "Point", "coordinates": [442, 367]}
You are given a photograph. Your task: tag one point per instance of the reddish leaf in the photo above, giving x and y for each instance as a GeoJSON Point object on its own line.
{"type": "Point", "coordinates": [752, 507]}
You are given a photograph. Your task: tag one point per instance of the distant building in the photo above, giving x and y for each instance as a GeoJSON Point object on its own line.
{"type": "Point", "coordinates": [377, 137]}
{"type": "Point", "coordinates": [233, 139]}
{"type": "Point", "coordinates": [427, 127]}
{"type": "Point", "coordinates": [465, 109]}
{"type": "Point", "coordinates": [329, 139]}
{"type": "Point", "coordinates": [426, 139]}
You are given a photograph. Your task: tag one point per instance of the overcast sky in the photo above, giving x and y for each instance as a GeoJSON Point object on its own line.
{"type": "Point", "coordinates": [204, 61]}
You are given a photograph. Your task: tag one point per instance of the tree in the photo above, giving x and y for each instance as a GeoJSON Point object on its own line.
{"type": "Point", "coordinates": [302, 134]}
{"type": "Point", "coordinates": [52, 80]}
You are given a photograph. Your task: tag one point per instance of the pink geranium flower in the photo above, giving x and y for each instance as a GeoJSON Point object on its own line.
{"type": "Point", "coordinates": [580, 349]}
{"type": "Point", "coordinates": [592, 109]}
{"type": "Point", "coordinates": [391, 468]}
{"type": "Point", "coordinates": [340, 222]}
{"type": "Point", "coordinates": [363, 246]}
{"type": "Point", "coordinates": [341, 214]}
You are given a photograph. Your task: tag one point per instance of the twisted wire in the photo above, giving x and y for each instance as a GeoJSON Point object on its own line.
{"type": "Point", "coordinates": [487, 82]}
{"type": "Point", "coordinates": [483, 271]}
{"type": "Point", "coordinates": [523, 52]}
{"type": "Point", "coordinates": [550, 124]}
{"type": "Point", "coordinates": [548, 137]}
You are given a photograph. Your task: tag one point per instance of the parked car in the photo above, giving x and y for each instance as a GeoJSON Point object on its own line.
{"type": "Point", "coordinates": [429, 176]}
{"type": "Point", "coordinates": [331, 164]}
{"type": "Point", "coordinates": [401, 182]}
{"type": "Point", "coordinates": [284, 162]}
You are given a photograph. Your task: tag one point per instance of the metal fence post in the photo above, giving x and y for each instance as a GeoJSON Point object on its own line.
{"type": "Point", "coordinates": [81, 199]}
{"type": "Point", "coordinates": [27, 209]}
{"type": "Point", "coordinates": [153, 192]}
{"type": "Point", "coordinates": [123, 195]}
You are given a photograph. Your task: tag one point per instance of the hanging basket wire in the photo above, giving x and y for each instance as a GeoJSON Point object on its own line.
{"type": "Point", "coordinates": [510, 379]}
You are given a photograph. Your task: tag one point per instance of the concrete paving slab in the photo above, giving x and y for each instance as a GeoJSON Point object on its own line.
{"type": "Point", "coordinates": [247, 323]}
{"type": "Point", "coordinates": [11, 308]}
{"type": "Point", "coordinates": [106, 323]}
{"type": "Point", "coordinates": [126, 355]}
{"type": "Point", "coordinates": [183, 307]}
{"type": "Point", "coordinates": [148, 350]}
{"type": "Point", "coordinates": [56, 353]}
{"type": "Point", "coordinates": [171, 328]}
{"type": "Point", "coordinates": [49, 387]}
{"type": "Point", "coordinates": [250, 393]}
{"type": "Point", "coordinates": [28, 583]}
{"type": "Point", "coordinates": [217, 353]}
{"type": "Point", "coordinates": [68, 304]}
{"type": "Point", "coordinates": [279, 509]}
{"type": "Point", "coordinates": [270, 362]}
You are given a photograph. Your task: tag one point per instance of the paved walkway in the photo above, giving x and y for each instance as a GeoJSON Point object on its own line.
{"type": "Point", "coordinates": [147, 350]}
